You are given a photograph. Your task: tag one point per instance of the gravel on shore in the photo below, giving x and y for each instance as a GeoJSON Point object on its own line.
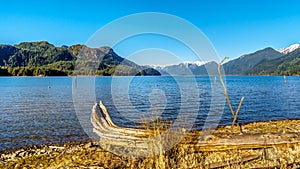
{"type": "Point", "coordinates": [90, 154]}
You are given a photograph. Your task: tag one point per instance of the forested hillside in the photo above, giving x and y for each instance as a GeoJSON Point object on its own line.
{"type": "Point", "coordinates": [45, 59]}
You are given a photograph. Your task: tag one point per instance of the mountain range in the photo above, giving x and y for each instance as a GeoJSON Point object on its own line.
{"type": "Point", "coordinates": [266, 61]}
{"type": "Point", "coordinates": [288, 64]}
{"type": "Point", "coordinates": [189, 68]}
{"type": "Point", "coordinates": [45, 59]}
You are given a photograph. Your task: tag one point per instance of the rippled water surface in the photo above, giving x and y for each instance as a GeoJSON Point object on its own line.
{"type": "Point", "coordinates": [40, 110]}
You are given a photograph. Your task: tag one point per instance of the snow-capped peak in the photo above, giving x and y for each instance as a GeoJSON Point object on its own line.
{"type": "Point", "coordinates": [289, 49]}
{"type": "Point", "coordinates": [185, 63]}
{"type": "Point", "coordinates": [198, 63]}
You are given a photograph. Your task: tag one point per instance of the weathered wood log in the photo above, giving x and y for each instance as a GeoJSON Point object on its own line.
{"type": "Point", "coordinates": [115, 135]}
{"type": "Point", "coordinates": [104, 126]}
{"type": "Point", "coordinates": [245, 141]}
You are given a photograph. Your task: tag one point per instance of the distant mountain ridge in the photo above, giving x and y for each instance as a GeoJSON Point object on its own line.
{"type": "Point", "coordinates": [243, 64]}
{"type": "Point", "coordinates": [268, 61]}
{"type": "Point", "coordinates": [43, 58]}
{"type": "Point", "coordinates": [288, 64]}
{"type": "Point", "coordinates": [189, 68]}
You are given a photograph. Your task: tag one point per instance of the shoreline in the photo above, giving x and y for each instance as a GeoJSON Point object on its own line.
{"type": "Point", "coordinates": [87, 154]}
{"type": "Point", "coordinates": [225, 75]}
{"type": "Point", "coordinates": [218, 129]}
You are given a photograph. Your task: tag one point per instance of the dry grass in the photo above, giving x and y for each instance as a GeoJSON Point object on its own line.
{"type": "Point", "coordinates": [87, 155]}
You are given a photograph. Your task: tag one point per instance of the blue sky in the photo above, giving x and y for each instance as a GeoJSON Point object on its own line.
{"type": "Point", "coordinates": [233, 27]}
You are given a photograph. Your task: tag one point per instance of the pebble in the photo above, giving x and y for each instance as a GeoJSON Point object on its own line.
{"type": "Point", "coordinates": [22, 154]}
{"type": "Point", "coordinates": [88, 145]}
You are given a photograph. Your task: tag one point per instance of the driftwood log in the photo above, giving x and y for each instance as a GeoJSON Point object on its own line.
{"type": "Point", "coordinates": [196, 141]}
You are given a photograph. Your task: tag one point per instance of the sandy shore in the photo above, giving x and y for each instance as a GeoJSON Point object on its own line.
{"type": "Point", "coordinates": [91, 155]}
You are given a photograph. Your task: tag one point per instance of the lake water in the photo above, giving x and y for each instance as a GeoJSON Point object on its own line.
{"type": "Point", "coordinates": [41, 110]}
